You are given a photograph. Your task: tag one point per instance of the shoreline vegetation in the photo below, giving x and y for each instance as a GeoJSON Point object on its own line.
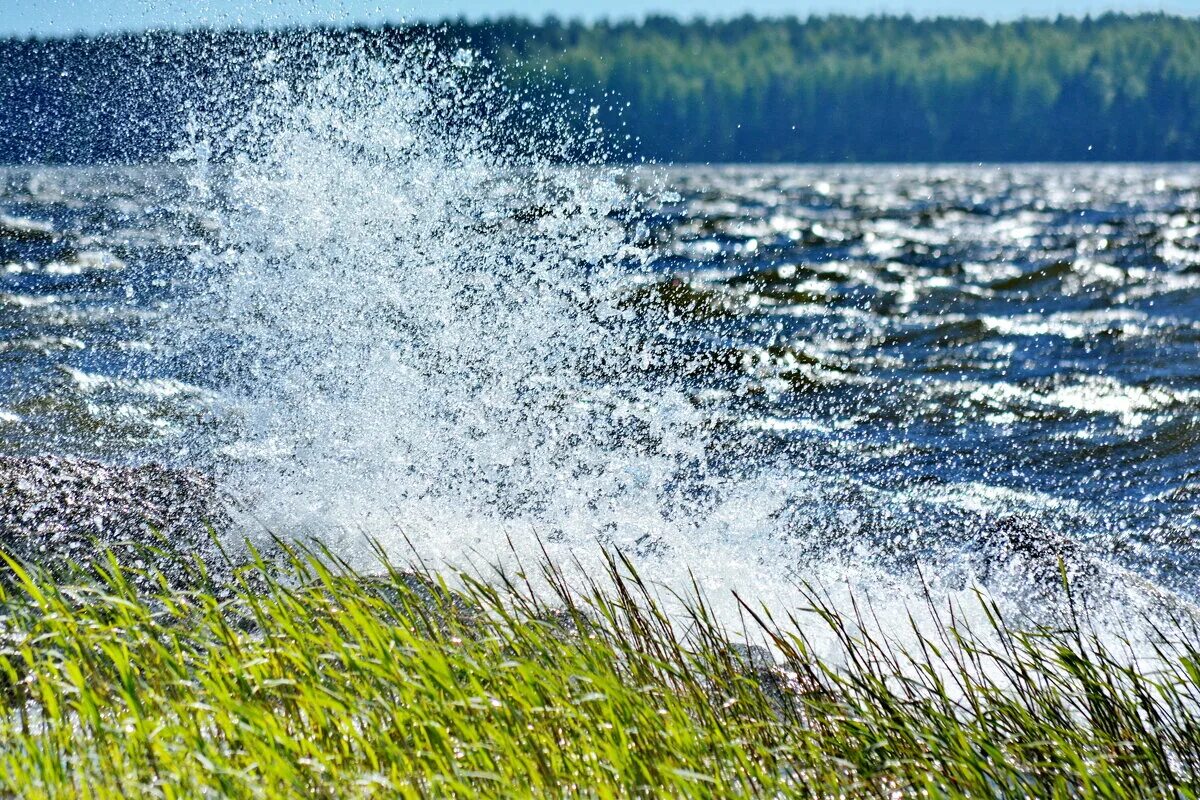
{"type": "Point", "coordinates": [294, 675]}
{"type": "Point", "coordinates": [822, 89]}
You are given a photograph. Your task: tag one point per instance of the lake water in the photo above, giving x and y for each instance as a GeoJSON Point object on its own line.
{"type": "Point", "coordinates": [868, 365]}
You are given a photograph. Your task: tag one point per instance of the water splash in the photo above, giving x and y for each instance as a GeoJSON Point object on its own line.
{"type": "Point", "coordinates": [413, 324]}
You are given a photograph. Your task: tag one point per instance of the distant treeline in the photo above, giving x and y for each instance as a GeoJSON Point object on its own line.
{"type": "Point", "coordinates": [821, 89]}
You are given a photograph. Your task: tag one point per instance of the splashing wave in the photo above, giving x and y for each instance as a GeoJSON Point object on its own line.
{"type": "Point", "coordinates": [422, 333]}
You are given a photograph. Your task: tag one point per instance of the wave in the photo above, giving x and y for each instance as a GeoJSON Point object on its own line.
{"type": "Point", "coordinates": [422, 332]}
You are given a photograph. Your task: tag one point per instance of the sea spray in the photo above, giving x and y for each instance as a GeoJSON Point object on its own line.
{"type": "Point", "coordinates": [416, 329]}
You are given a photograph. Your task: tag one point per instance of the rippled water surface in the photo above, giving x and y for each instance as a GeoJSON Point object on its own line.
{"type": "Point", "coordinates": [1029, 332]}
{"type": "Point", "coordinates": [899, 347]}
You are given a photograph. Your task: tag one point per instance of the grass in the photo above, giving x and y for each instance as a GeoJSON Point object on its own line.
{"type": "Point", "coordinates": [307, 679]}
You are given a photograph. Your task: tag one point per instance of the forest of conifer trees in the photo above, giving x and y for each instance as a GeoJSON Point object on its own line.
{"type": "Point", "coordinates": [820, 89]}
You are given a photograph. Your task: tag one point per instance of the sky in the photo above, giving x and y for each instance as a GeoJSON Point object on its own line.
{"type": "Point", "coordinates": [60, 17]}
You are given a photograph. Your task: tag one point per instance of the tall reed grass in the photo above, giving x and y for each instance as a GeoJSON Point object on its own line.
{"type": "Point", "coordinates": [308, 679]}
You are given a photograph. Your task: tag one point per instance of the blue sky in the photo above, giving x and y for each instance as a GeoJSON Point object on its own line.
{"type": "Point", "coordinates": [68, 16]}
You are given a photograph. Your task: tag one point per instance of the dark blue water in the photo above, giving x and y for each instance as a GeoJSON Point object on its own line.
{"type": "Point", "coordinates": [1015, 339]}
{"type": "Point", "coordinates": [1029, 332]}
